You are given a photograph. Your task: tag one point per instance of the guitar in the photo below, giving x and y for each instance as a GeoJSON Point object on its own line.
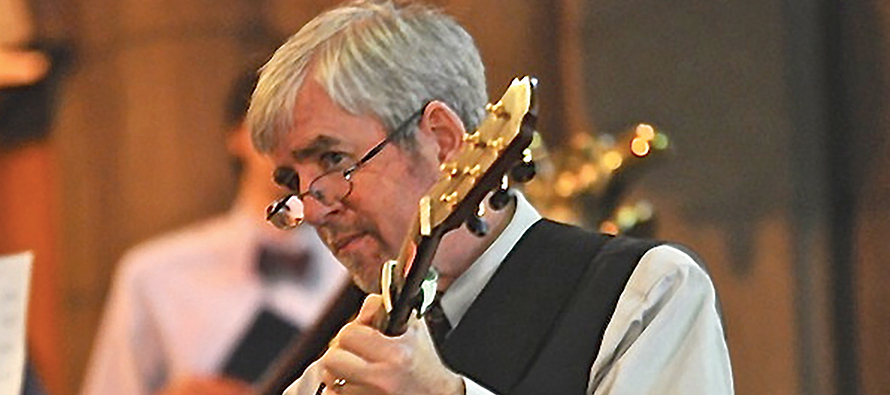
{"type": "Point", "coordinates": [497, 147]}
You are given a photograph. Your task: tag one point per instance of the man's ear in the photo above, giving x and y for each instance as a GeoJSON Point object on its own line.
{"type": "Point", "coordinates": [445, 128]}
{"type": "Point", "coordinates": [238, 141]}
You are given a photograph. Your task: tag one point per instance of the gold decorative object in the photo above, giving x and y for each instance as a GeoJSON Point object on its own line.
{"type": "Point", "coordinates": [584, 182]}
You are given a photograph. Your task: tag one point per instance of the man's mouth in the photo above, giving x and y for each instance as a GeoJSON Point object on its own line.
{"type": "Point", "coordinates": [342, 242]}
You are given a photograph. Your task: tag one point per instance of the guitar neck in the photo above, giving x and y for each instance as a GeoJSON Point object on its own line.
{"type": "Point", "coordinates": [312, 343]}
{"type": "Point", "coordinates": [409, 297]}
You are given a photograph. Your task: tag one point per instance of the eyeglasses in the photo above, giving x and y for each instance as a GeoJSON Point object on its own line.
{"type": "Point", "coordinates": [328, 188]}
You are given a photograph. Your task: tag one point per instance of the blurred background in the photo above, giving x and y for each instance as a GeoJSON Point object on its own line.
{"type": "Point", "coordinates": [778, 175]}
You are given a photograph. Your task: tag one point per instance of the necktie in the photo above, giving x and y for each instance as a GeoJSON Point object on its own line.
{"type": "Point", "coordinates": [437, 322]}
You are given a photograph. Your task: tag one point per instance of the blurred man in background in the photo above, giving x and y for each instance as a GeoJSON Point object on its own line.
{"type": "Point", "coordinates": [206, 309]}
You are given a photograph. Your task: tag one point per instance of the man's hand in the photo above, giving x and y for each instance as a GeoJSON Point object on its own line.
{"type": "Point", "coordinates": [206, 386]}
{"type": "Point", "coordinates": [372, 363]}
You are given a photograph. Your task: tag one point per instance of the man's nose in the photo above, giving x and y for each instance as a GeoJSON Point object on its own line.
{"type": "Point", "coordinates": [315, 213]}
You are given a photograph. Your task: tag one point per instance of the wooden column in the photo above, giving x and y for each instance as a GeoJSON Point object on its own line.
{"type": "Point", "coordinates": [140, 137]}
{"type": "Point", "coordinates": [29, 219]}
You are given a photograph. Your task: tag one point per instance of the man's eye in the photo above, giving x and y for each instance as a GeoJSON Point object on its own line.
{"type": "Point", "coordinates": [287, 177]}
{"type": "Point", "coordinates": [332, 160]}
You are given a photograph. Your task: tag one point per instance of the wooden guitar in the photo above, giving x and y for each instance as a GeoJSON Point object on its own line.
{"type": "Point", "coordinates": [497, 147]}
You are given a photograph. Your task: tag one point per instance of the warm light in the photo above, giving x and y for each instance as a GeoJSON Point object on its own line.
{"type": "Point", "coordinates": [565, 185]}
{"type": "Point", "coordinates": [612, 160]}
{"type": "Point", "coordinates": [609, 227]}
{"type": "Point", "coordinates": [588, 174]}
{"type": "Point", "coordinates": [580, 141]}
{"type": "Point", "coordinates": [18, 68]}
{"type": "Point", "coordinates": [645, 131]}
{"type": "Point", "coordinates": [562, 214]}
{"type": "Point", "coordinates": [639, 146]}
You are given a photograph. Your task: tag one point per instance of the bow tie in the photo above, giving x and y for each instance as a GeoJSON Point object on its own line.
{"type": "Point", "coordinates": [273, 263]}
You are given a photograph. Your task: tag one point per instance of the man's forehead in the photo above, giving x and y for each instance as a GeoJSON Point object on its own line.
{"type": "Point", "coordinates": [315, 123]}
{"type": "Point", "coordinates": [319, 123]}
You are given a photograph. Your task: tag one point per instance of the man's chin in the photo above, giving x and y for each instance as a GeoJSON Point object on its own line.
{"type": "Point", "coordinates": [365, 274]}
{"type": "Point", "coordinates": [366, 285]}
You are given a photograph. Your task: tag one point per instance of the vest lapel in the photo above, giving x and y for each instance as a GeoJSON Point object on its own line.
{"type": "Point", "coordinates": [508, 323]}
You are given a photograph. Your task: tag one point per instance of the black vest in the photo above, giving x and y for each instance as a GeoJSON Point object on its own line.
{"type": "Point", "coordinates": [537, 326]}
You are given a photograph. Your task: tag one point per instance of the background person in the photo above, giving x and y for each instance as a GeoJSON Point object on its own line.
{"type": "Point", "coordinates": [202, 310]}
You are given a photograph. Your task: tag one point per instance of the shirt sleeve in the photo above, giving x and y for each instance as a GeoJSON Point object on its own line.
{"type": "Point", "coordinates": [307, 384]}
{"type": "Point", "coordinates": [666, 336]}
{"type": "Point", "coordinates": [126, 357]}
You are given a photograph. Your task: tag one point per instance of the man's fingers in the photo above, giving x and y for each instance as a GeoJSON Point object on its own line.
{"type": "Point", "coordinates": [340, 368]}
{"type": "Point", "coordinates": [372, 313]}
{"type": "Point", "coordinates": [365, 341]}
{"type": "Point", "coordinates": [341, 363]}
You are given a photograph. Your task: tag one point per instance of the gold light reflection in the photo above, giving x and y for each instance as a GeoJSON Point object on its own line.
{"type": "Point", "coordinates": [565, 185]}
{"type": "Point", "coordinates": [645, 131]}
{"type": "Point", "coordinates": [612, 160]}
{"type": "Point", "coordinates": [639, 146]}
{"type": "Point", "coordinates": [572, 182]}
{"type": "Point", "coordinates": [588, 174]}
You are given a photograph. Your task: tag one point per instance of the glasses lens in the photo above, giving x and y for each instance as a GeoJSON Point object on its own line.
{"type": "Point", "coordinates": [285, 213]}
{"type": "Point", "coordinates": [330, 188]}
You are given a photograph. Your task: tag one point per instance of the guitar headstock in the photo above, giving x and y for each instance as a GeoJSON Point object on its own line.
{"type": "Point", "coordinates": [496, 147]}
{"type": "Point", "coordinates": [499, 143]}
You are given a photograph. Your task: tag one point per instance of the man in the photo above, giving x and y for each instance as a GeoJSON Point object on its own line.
{"type": "Point", "coordinates": [197, 311]}
{"type": "Point", "coordinates": [358, 110]}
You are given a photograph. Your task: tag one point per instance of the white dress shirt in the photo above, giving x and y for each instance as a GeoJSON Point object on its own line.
{"type": "Point", "coordinates": [665, 336]}
{"type": "Point", "coordinates": [180, 303]}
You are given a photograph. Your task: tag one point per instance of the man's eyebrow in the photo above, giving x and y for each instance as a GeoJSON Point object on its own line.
{"type": "Point", "coordinates": [318, 144]}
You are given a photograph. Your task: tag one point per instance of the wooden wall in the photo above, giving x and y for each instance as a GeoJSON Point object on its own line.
{"type": "Point", "coordinates": [872, 257]}
{"type": "Point", "coordinates": [712, 76]}
{"type": "Point", "coordinates": [140, 138]}
{"type": "Point", "coordinates": [29, 212]}
{"type": "Point", "coordinates": [868, 27]}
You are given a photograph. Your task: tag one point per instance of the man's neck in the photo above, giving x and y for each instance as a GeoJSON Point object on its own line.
{"type": "Point", "coordinates": [459, 249]}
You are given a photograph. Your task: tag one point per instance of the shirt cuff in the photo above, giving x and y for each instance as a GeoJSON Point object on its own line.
{"type": "Point", "coordinates": [474, 389]}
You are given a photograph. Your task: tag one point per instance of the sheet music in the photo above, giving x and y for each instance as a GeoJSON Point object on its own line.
{"type": "Point", "coordinates": [15, 276]}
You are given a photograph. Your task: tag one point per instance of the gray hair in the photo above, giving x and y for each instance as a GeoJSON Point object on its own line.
{"type": "Point", "coordinates": [373, 58]}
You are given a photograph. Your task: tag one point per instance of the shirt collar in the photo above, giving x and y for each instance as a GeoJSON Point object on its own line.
{"type": "Point", "coordinates": [461, 294]}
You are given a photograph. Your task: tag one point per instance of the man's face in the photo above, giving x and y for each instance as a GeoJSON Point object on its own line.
{"type": "Point", "coordinates": [367, 227]}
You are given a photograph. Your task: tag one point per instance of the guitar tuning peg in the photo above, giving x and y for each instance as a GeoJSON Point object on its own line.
{"type": "Point", "coordinates": [477, 226]}
{"type": "Point", "coordinates": [500, 199]}
{"type": "Point", "coordinates": [523, 172]}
